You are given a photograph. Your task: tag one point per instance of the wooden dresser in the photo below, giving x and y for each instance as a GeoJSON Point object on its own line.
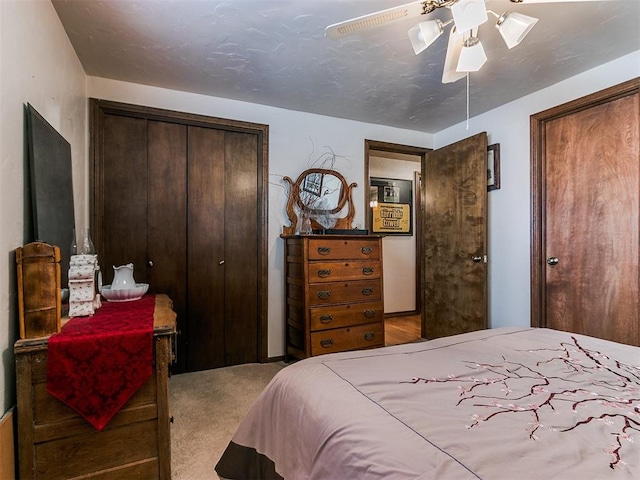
{"type": "Point", "coordinates": [334, 299]}
{"type": "Point", "coordinates": [54, 442]}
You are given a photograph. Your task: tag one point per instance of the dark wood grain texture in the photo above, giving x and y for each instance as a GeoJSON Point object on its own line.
{"type": "Point", "coordinates": [241, 248]}
{"type": "Point", "coordinates": [454, 232]}
{"type": "Point", "coordinates": [123, 164]}
{"type": "Point", "coordinates": [205, 335]}
{"type": "Point", "coordinates": [148, 151]}
{"type": "Point", "coordinates": [166, 258]}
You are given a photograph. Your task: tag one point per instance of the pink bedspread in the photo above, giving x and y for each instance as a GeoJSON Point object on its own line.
{"type": "Point", "coordinates": [494, 404]}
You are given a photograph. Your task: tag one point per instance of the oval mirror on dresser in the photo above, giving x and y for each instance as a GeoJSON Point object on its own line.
{"type": "Point", "coordinates": [320, 194]}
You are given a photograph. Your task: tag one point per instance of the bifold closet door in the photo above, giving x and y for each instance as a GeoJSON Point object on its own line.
{"type": "Point", "coordinates": [166, 261]}
{"type": "Point", "coordinates": [222, 273]}
{"type": "Point", "coordinates": [123, 228]}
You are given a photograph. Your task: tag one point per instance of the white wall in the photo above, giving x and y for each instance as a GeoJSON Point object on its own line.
{"type": "Point", "coordinates": [399, 259]}
{"type": "Point", "coordinates": [509, 207]}
{"type": "Point", "coordinates": [292, 137]}
{"type": "Point", "coordinates": [40, 67]}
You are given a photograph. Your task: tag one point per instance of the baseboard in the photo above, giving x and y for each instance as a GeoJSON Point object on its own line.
{"type": "Point", "coordinates": [7, 450]}
{"type": "Point", "coordinates": [408, 313]}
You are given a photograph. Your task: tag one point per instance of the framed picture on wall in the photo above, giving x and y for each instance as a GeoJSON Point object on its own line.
{"type": "Point", "coordinates": [391, 206]}
{"type": "Point", "coordinates": [493, 167]}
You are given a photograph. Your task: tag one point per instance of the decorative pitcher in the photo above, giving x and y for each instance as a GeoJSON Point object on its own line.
{"type": "Point", "coordinates": [123, 277]}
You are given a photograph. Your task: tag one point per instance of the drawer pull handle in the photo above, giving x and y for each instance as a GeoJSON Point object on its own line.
{"type": "Point", "coordinates": [324, 250]}
{"type": "Point", "coordinates": [369, 336]}
{"type": "Point", "coordinates": [369, 313]}
{"type": "Point", "coordinates": [324, 273]}
{"type": "Point", "coordinates": [367, 291]}
{"type": "Point", "coordinates": [366, 250]}
{"type": "Point", "coordinates": [367, 270]}
{"type": "Point", "coordinates": [326, 343]}
{"type": "Point", "coordinates": [324, 294]}
{"type": "Point", "coordinates": [326, 319]}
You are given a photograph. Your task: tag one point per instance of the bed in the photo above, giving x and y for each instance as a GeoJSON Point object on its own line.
{"type": "Point", "coordinates": [494, 404]}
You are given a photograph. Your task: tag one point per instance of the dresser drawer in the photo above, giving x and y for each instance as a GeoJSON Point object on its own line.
{"type": "Point", "coordinates": [349, 338]}
{"type": "Point", "coordinates": [323, 318]}
{"type": "Point", "coordinates": [341, 271]}
{"type": "Point", "coordinates": [345, 292]}
{"type": "Point", "coordinates": [322, 249]}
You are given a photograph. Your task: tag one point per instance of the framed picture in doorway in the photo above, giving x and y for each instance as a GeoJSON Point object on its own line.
{"type": "Point", "coordinates": [493, 167]}
{"type": "Point", "coordinates": [391, 202]}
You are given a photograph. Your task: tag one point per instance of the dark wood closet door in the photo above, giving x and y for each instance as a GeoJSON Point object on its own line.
{"type": "Point", "coordinates": [183, 198]}
{"type": "Point", "coordinates": [241, 248]}
{"type": "Point", "coordinates": [454, 238]}
{"type": "Point", "coordinates": [166, 262]}
{"type": "Point", "coordinates": [121, 225]}
{"type": "Point", "coordinates": [223, 248]}
{"type": "Point", "coordinates": [592, 188]}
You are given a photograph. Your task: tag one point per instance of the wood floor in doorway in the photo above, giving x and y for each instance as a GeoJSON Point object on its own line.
{"type": "Point", "coordinates": [400, 330]}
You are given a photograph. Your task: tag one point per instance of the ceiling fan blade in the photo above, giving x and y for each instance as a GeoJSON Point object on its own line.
{"type": "Point", "coordinates": [450, 73]}
{"type": "Point", "coordinates": [373, 20]}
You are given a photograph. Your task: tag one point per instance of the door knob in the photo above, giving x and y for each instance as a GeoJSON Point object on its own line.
{"type": "Point", "coordinates": [476, 258]}
{"type": "Point", "coordinates": [553, 260]}
{"type": "Point", "coordinates": [150, 263]}
{"type": "Point", "coordinates": [221, 262]}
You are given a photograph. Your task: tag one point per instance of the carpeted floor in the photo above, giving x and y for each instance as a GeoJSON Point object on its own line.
{"type": "Point", "coordinates": [207, 407]}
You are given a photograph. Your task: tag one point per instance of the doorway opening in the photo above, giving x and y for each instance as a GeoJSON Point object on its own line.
{"type": "Point", "coordinates": [402, 265]}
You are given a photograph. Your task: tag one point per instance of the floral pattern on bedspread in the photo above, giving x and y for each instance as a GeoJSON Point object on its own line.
{"type": "Point", "coordinates": [593, 386]}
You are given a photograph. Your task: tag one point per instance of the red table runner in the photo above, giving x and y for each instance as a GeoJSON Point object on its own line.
{"type": "Point", "coordinates": [95, 364]}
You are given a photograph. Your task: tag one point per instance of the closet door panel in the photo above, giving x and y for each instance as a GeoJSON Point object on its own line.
{"type": "Point", "coordinates": [124, 178]}
{"type": "Point", "coordinates": [241, 248]}
{"type": "Point", "coordinates": [166, 266]}
{"type": "Point", "coordinates": [206, 258]}
{"type": "Point", "coordinates": [592, 185]}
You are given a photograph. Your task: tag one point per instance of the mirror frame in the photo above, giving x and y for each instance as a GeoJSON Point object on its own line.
{"type": "Point", "coordinates": [346, 197]}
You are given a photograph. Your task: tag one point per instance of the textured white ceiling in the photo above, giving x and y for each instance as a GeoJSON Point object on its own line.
{"type": "Point", "coordinates": [274, 52]}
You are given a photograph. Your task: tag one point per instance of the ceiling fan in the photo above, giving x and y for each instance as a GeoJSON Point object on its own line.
{"type": "Point", "coordinates": [464, 51]}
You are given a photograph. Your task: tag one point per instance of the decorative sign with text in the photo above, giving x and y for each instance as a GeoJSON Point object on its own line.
{"type": "Point", "coordinates": [391, 206]}
{"type": "Point", "coordinates": [391, 218]}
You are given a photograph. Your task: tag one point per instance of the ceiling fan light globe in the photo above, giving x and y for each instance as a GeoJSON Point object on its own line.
{"type": "Point", "coordinates": [514, 27]}
{"type": "Point", "coordinates": [424, 34]}
{"type": "Point", "coordinates": [468, 14]}
{"type": "Point", "coordinates": [472, 56]}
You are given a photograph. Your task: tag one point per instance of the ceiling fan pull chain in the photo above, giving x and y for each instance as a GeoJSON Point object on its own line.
{"type": "Point", "coordinates": [467, 100]}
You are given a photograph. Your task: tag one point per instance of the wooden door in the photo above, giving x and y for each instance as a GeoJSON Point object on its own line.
{"type": "Point", "coordinates": [454, 238]}
{"type": "Point", "coordinates": [183, 197]}
{"type": "Point", "coordinates": [166, 261]}
{"type": "Point", "coordinates": [223, 249]}
{"type": "Point", "coordinates": [590, 191]}
{"type": "Point", "coordinates": [140, 209]}
{"type": "Point", "coordinates": [120, 220]}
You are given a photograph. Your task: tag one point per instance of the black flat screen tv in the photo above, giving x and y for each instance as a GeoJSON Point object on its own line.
{"type": "Point", "coordinates": [51, 186]}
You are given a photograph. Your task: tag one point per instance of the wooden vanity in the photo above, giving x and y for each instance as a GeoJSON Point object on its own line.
{"type": "Point", "coordinates": [54, 442]}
